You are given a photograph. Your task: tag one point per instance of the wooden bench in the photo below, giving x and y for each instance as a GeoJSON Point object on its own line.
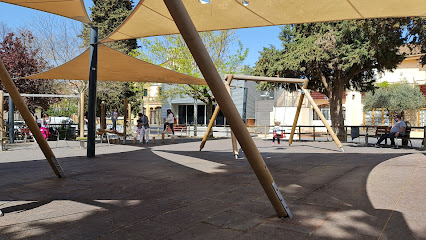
{"type": "Point", "coordinates": [405, 138]}
{"type": "Point", "coordinates": [380, 130]}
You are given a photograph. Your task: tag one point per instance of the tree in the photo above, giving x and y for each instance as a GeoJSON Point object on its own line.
{"type": "Point", "coordinates": [58, 43]}
{"type": "Point", "coordinates": [171, 52]}
{"type": "Point", "coordinates": [20, 61]}
{"type": "Point", "coordinates": [396, 98]}
{"type": "Point", "coordinates": [107, 15]}
{"type": "Point", "coordinates": [4, 30]}
{"type": "Point", "coordinates": [335, 56]}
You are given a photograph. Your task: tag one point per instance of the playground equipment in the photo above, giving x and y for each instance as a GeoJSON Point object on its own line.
{"type": "Point", "coordinates": [303, 83]}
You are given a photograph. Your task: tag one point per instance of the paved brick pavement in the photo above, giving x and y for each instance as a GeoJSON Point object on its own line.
{"type": "Point", "coordinates": [175, 191]}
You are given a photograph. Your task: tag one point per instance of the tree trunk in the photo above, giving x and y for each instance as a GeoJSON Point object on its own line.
{"type": "Point", "coordinates": [209, 113]}
{"type": "Point", "coordinates": [336, 109]}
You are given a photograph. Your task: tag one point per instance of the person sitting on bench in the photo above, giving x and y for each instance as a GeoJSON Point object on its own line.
{"type": "Point", "coordinates": [398, 129]}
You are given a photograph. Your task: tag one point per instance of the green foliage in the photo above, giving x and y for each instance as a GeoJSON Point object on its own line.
{"type": "Point", "coordinates": [396, 98]}
{"type": "Point", "coordinates": [64, 108]}
{"type": "Point", "coordinates": [335, 56]}
{"type": "Point", "coordinates": [171, 52]}
{"type": "Point", "coordinates": [107, 15]}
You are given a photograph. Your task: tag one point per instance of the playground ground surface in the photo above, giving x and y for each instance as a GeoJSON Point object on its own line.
{"type": "Point", "coordinates": [175, 191]}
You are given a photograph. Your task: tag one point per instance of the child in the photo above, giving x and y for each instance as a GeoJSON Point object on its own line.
{"type": "Point", "coordinates": [138, 131]}
{"type": "Point", "coordinates": [277, 133]}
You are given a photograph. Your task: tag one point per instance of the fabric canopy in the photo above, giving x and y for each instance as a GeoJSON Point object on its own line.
{"type": "Point", "coordinates": [151, 17]}
{"type": "Point", "coordinates": [73, 9]}
{"type": "Point", "coordinates": [116, 66]}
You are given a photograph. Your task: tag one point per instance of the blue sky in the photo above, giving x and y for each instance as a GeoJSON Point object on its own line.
{"type": "Point", "coordinates": [252, 38]}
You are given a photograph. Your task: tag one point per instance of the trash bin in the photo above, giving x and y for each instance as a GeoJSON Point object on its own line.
{"type": "Point", "coordinates": [73, 131]}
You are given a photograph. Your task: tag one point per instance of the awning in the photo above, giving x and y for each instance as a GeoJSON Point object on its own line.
{"type": "Point", "coordinates": [73, 9]}
{"type": "Point", "coordinates": [151, 17]}
{"type": "Point", "coordinates": [116, 66]}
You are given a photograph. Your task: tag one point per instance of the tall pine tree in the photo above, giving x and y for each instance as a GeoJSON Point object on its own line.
{"type": "Point", "coordinates": [107, 15]}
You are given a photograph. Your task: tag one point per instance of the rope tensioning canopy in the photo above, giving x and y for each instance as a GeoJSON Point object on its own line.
{"type": "Point", "coordinates": [73, 9]}
{"type": "Point", "coordinates": [232, 14]}
{"type": "Point", "coordinates": [116, 66]}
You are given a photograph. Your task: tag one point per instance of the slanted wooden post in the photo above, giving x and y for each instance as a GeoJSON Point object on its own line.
{"type": "Point", "coordinates": [234, 140]}
{"type": "Point", "coordinates": [199, 52]}
{"type": "Point", "coordinates": [29, 120]}
{"type": "Point", "coordinates": [214, 116]}
{"type": "Point", "coordinates": [81, 114]}
{"type": "Point", "coordinates": [314, 105]}
{"type": "Point", "coordinates": [296, 117]}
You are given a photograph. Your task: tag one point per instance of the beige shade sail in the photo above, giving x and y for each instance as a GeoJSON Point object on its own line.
{"type": "Point", "coordinates": [73, 9]}
{"type": "Point", "coordinates": [116, 66]}
{"type": "Point", "coordinates": [151, 17]}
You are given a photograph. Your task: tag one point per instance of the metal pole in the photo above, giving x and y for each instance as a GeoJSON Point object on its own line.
{"type": "Point", "coordinates": [209, 71]}
{"type": "Point", "coordinates": [82, 114]}
{"type": "Point", "coordinates": [29, 120]}
{"type": "Point", "coordinates": [11, 121]}
{"type": "Point", "coordinates": [314, 105]}
{"type": "Point", "coordinates": [1, 115]}
{"type": "Point", "coordinates": [93, 77]}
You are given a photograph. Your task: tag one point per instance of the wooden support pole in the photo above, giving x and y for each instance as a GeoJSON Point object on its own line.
{"type": "Point", "coordinates": [234, 140]}
{"type": "Point", "coordinates": [162, 137]}
{"type": "Point", "coordinates": [153, 140]}
{"type": "Point", "coordinates": [29, 120]}
{"type": "Point", "coordinates": [103, 119]}
{"type": "Point", "coordinates": [172, 139]}
{"type": "Point", "coordinates": [296, 117]}
{"type": "Point", "coordinates": [314, 105]}
{"type": "Point", "coordinates": [199, 52]}
{"type": "Point", "coordinates": [214, 116]}
{"type": "Point", "coordinates": [125, 121]}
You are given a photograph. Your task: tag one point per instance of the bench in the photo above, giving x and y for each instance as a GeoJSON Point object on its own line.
{"type": "Point", "coordinates": [177, 128]}
{"type": "Point", "coordinates": [380, 130]}
{"type": "Point", "coordinates": [405, 138]}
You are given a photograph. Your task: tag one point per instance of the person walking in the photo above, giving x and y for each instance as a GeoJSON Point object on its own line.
{"type": "Point", "coordinates": [170, 120]}
{"type": "Point", "coordinates": [144, 128]}
{"type": "Point", "coordinates": [114, 117]}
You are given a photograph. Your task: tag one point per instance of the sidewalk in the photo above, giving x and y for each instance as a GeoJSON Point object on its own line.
{"type": "Point", "coordinates": [175, 191]}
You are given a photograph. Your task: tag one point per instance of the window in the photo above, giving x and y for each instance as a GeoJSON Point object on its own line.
{"type": "Point", "coordinates": [186, 114]}
{"type": "Point", "coordinates": [325, 111]}
{"type": "Point", "coordinates": [145, 92]}
{"type": "Point", "coordinates": [201, 114]}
